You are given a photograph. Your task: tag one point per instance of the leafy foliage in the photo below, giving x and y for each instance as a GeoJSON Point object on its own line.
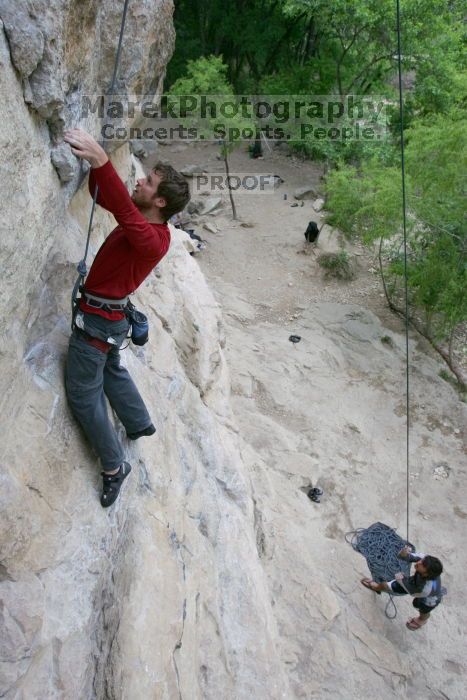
{"type": "Point", "coordinates": [253, 37]}
{"type": "Point", "coordinates": [437, 161]}
{"type": "Point", "coordinates": [324, 47]}
{"type": "Point", "coordinates": [206, 75]}
{"type": "Point", "coordinates": [368, 203]}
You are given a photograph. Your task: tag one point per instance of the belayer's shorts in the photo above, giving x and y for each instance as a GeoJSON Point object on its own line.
{"type": "Point", "coordinates": [418, 603]}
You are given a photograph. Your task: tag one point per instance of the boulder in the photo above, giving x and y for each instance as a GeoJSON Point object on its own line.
{"type": "Point", "coordinates": [212, 204]}
{"type": "Point", "coordinates": [193, 170]}
{"type": "Point", "coordinates": [64, 50]}
{"type": "Point", "coordinates": [308, 192]}
{"type": "Point", "coordinates": [318, 204]}
{"type": "Point", "coordinates": [25, 39]}
{"type": "Point", "coordinates": [195, 206]}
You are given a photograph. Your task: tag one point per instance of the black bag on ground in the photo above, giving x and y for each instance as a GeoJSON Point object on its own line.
{"type": "Point", "coordinates": [139, 325]}
{"type": "Point", "coordinates": [312, 232]}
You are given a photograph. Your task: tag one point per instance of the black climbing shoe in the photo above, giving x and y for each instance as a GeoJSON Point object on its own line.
{"type": "Point", "coordinates": [314, 494]}
{"type": "Point", "coordinates": [150, 430]}
{"type": "Point", "coordinates": [112, 484]}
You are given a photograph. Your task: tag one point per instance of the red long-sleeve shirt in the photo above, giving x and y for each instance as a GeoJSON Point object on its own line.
{"type": "Point", "coordinates": [130, 252]}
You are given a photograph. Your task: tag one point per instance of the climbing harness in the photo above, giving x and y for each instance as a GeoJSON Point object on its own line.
{"type": "Point", "coordinates": [379, 543]}
{"type": "Point", "coordinates": [103, 303]}
{"type": "Point", "coordinates": [81, 268]}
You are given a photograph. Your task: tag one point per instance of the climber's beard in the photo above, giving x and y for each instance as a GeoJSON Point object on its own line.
{"type": "Point", "coordinates": [141, 199]}
{"type": "Point", "coordinates": [144, 195]}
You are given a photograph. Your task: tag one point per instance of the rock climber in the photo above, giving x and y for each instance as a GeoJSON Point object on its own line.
{"type": "Point", "coordinates": [424, 585]}
{"type": "Point", "coordinates": [124, 260]}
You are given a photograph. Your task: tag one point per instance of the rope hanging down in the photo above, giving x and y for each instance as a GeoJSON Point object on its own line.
{"type": "Point", "coordinates": [404, 220]}
{"type": "Point", "coordinates": [81, 268]}
{"type": "Point", "coordinates": [379, 543]}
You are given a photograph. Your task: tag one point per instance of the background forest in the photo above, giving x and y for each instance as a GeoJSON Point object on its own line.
{"type": "Point", "coordinates": [333, 47]}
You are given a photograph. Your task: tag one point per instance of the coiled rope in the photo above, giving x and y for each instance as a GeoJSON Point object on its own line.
{"type": "Point", "coordinates": [380, 545]}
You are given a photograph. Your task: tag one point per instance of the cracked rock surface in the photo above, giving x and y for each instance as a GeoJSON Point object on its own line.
{"type": "Point", "coordinates": [211, 578]}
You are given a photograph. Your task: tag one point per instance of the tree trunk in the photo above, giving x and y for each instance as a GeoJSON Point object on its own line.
{"type": "Point", "coordinates": [226, 163]}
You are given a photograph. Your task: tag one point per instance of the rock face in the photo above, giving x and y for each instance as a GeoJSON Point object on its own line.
{"type": "Point", "coordinates": [163, 596]}
{"type": "Point", "coordinates": [63, 47]}
{"type": "Point", "coordinates": [208, 580]}
{"type": "Point", "coordinates": [63, 50]}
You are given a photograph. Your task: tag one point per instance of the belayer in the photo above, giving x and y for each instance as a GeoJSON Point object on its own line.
{"type": "Point", "coordinates": [424, 585]}
{"type": "Point", "coordinates": [101, 321]}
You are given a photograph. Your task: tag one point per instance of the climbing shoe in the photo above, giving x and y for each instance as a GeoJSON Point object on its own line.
{"type": "Point", "coordinates": [150, 430]}
{"type": "Point", "coordinates": [112, 484]}
{"type": "Point", "coordinates": [314, 495]}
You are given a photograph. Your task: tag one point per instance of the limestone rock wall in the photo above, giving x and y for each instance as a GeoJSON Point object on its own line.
{"type": "Point", "coordinates": [62, 49]}
{"type": "Point", "coordinates": [163, 596]}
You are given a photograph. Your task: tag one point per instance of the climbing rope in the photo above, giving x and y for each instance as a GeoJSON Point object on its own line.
{"type": "Point", "coordinates": [406, 292]}
{"type": "Point", "coordinates": [81, 268]}
{"type": "Point", "coordinates": [379, 543]}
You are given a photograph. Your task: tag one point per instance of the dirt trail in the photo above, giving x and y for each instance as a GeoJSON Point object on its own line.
{"type": "Point", "coordinates": [270, 262]}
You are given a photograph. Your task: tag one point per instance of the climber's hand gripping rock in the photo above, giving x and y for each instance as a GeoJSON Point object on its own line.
{"type": "Point", "coordinates": [84, 146]}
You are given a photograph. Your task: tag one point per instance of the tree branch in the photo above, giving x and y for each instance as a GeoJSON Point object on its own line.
{"type": "Point", "coordinates": [445, 354]}
{"type": "Point", "coordinates": [366, 68]}
{"type": "Point", "coordinates": [274, 51]}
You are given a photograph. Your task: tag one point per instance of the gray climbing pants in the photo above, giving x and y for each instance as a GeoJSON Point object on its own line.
{"type": "Point", "coordinates": [91, 375]}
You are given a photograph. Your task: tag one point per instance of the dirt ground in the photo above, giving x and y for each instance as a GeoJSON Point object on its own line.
{"type": "Point", "coordinates": [330, 411]}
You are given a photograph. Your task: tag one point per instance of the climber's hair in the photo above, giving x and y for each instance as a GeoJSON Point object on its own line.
{"type": "Point", "coordinates": [173, 188]}
{"type": "Point", "coordinates": [433, 566]}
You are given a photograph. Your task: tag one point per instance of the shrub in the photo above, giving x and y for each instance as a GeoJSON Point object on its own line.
{"type": "Point", "coordinates": [337, 265]}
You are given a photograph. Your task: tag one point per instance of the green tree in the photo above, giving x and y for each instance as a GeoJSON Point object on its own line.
{"type": "Point", "coordinates": [254, 37]}
{"type": "Point", "coordinates": [207, 76]}
{"type": "Point", "coordinates": [331, 45]}
{"type": "Point", "coordinates": [360, 38]}
{"type": "Point", "coordinates": [368, 203]}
